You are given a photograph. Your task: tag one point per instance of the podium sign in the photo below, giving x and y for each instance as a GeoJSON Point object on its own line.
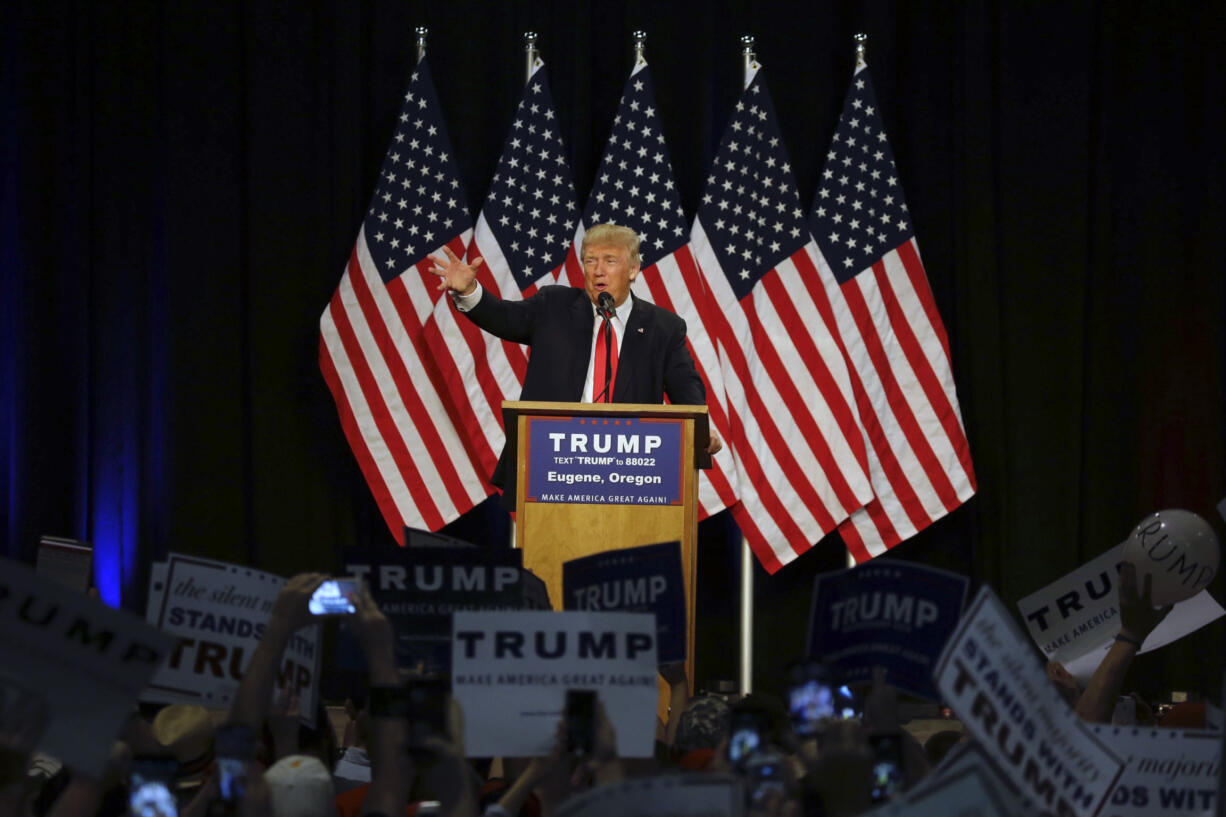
{"type": "Point", "coordinates": [604, 460]}
{"type": "Point", "coordinates": [595, 477]}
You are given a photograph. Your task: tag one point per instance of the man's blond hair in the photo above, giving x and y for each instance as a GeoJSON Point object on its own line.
{"type": "Point", "coordinates": [612, 235]}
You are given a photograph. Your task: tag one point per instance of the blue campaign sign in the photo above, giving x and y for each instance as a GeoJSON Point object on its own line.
{"type": "Point", "coordinates": [643, 579]}
{"type": "Point", "coordinates": [604, 460]}
{"type": "Point", "coordinates": [886, 613]}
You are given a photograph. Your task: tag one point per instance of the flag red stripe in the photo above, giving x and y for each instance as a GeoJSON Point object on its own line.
{"type": "Point", "coordinates": [765, 490]}
{"type": "Point", "coordinates": [919, 283]}
{"type": "Point", "coordinates": [812, 280]}
{"type": "Point", "coordinates": [779, 448]}
{"type": "Point", "coordinates": [404, 386]}
{"type": "Point", "coordinates": [378, 487]}
{"type": "Point", "coordinates": [928, 383]}
{"type": "Point", "coordinates": [911, 262]}
{"type": "Point", "coordinates": [855, 544]}
{"type": "Point", "coordinates": [890, 465]}
{"type": "Point", "coordinates": [757, 541]}
{"type": "Point", "coordinates": [836, 403]}
{"type": "Point", "coordinates": [378, 409]}
{"type": "Point", "coordinates": [716, 476]}
{"type": "Point", "coordinates": [799, 411]}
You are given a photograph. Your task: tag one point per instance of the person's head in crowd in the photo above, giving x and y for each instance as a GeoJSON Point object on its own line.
{"type": "Point", "coordinates": [703, 727]}
{"type": "Point", "coordinates": [186, 732]}
{"type": "Point", "coordinates": [300, 786]}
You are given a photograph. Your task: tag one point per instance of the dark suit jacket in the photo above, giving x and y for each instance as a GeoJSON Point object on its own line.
{"type": "Point", "coordinates": [558, 322]}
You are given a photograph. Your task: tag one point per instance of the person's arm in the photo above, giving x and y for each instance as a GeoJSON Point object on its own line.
{"type": "Point", "coordinates": [606, 765]}
{"type": "Point", "coordinates": [289, 614]}
{"type": "Point", "coordinates": [678, 697]}
{"type": "Point", "coordinates": [1138, 618]}
{"type": "Point", "coordinates": [391, 774]}
{"type": "Point", "coordinates": [682, 383]}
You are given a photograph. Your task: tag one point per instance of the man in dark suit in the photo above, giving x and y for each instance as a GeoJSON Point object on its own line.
{"type": "Point", "coordinates": [561, 325]}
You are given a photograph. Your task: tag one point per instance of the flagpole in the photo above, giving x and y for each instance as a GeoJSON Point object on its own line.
{"type": "Point", "coordinates": [749, 59]}
{"type": "Point", "coordinates": [531, 54]}
{"type": "Point", "coordinates": [421, 32]}
{"type": "Point", "coordinates": [861, 41]}
{"type": "Point", "coordinates": [640, 47]}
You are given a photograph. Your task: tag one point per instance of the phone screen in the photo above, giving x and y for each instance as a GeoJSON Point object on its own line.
{"type": "Point", "coordinates": [149, 787]}
{"type": "Point", "coordinates": [816, 695]}
{"type": "Point", "coordinates": [887, 767]}
{"type": "Point", "coordinates": [580, 721]}
{"type": "Point", "coordinates": [234, 748]}
{"type": "Point", "coordinates": [332, 598]}
{"type": "Point", "coordinates": [746, 738]}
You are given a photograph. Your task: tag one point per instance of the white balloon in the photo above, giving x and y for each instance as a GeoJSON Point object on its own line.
{"type": "Point", "coordinates": [1179, 549]}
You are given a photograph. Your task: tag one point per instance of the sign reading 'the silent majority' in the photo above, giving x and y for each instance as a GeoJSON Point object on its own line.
{"type": "Point", "coordinates": [990, 679]}
{"type": "Point", "coordinates": [604, 460]}
{"type": "Point", "coordinates": [219, 611]}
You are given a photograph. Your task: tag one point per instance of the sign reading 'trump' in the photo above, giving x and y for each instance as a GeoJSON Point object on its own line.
{"type": "Point", "coordinates": [604, 460]}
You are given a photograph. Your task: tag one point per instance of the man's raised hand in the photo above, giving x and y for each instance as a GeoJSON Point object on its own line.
{"type": "Point", "coordinates": [454, 274]}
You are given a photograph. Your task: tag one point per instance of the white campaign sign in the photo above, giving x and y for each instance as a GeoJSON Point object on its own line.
{"type": "Point", "coordinates": [510, 671]}
{"type": "Point", "coordinates": [997, 795]}
{"type": "Point", "coordinates": [1078, 615]}
{"type": "Point", "coordinates": [989, 678]}
{"type": "Point", "coordinates": [1168, 771]}
{"type": "Point", "coordinates": [70, 667]}
{"type": "Point", "coordinates": [705, 795]}
{"type": "Point", "coordinates": [218, 611]}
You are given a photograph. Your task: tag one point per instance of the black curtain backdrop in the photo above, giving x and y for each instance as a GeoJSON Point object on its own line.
{"type": "Point", "coordinates": [182, 185]}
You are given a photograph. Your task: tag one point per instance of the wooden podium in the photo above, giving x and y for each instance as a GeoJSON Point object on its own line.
{"type": "Point", "coordinates": [553, 522]}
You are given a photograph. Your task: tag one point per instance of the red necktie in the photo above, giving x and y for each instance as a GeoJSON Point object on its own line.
{"type": "Point", "coordinates": [598, 371]}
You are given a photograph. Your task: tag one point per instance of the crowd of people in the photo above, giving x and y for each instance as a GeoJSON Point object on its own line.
{"type": "Point", "coordinates": [392, 757]}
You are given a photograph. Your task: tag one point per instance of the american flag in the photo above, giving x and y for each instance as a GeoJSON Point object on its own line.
{"type": "Point", "coordinates": [379, 352]}
{"type": "Point", "coordinates": [800, 451]}
{"type": "Point", "coordinates": [522, 234]}
{"type": "Point", "coordinates": [635, 188]}
{"type": "Point", "coordinates": [919, 459]}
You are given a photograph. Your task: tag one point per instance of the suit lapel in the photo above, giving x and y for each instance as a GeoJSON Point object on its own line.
{"type": "Point", "coordinates": [634, 346]}
{"type": "Point", "coordinates": [582, 322]}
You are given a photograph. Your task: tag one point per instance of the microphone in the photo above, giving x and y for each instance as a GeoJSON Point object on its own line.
{"type": "Point", "coordinates": [604, 306]}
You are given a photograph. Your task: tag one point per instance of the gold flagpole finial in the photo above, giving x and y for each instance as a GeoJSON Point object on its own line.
{"type": "Point", "coordinates": [421, 32]}
{"type": "Point", "coordinates": [861, 45]}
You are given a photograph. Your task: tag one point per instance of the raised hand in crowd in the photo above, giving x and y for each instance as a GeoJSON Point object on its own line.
{"type": "Point", "coordinates": [1138, 618]}
{"type": "Point", "coordinates": [547, 775]}
{"type": "Point", "coordinates": [289, 614]}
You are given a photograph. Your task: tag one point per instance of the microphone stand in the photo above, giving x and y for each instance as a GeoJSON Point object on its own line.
{"type": "Point", "coordinates": [604, 306]}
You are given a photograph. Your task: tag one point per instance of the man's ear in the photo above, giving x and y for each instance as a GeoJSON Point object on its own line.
{"type": "Point", "coordinates": [634, 273]}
